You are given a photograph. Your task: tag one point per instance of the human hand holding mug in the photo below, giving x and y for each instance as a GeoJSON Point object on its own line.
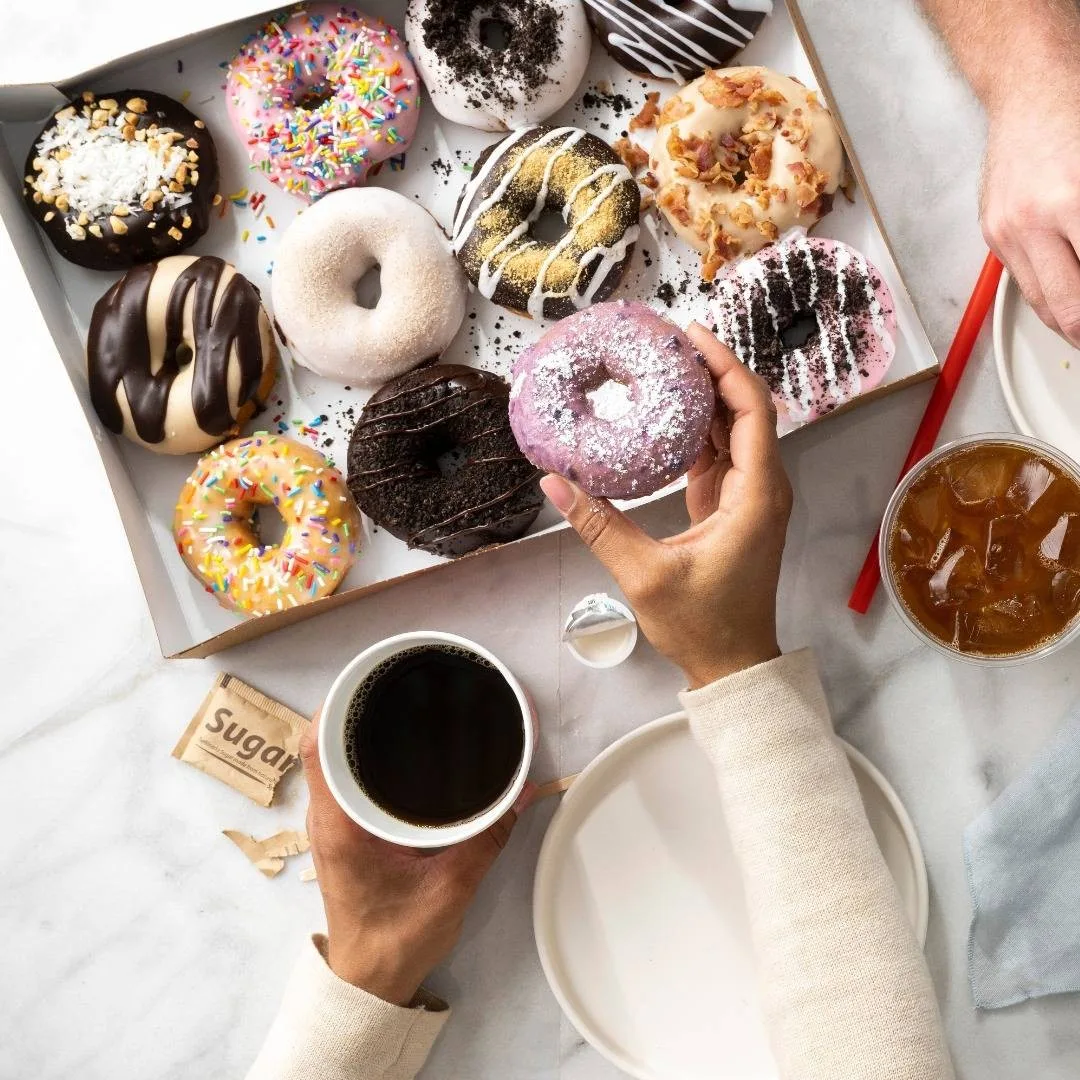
{"type": "Point", "coordinates": [706, 598]}
{"type": "Point", "coordinates": [393, 914]}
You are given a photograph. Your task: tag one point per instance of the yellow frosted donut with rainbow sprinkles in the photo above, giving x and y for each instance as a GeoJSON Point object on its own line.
{"type": "Point", "coordinates": [218, 541]}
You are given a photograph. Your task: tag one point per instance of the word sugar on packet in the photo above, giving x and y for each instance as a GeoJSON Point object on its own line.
{"type": "Point", "coordinates": [243, 738]}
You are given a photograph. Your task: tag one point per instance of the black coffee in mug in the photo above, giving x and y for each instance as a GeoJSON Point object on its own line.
{"type": "Point", "coordinates": [434, 735]}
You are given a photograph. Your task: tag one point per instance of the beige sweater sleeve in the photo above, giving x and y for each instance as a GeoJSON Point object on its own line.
{"type": "Point", "coordinates": [327, 1029]}
{"type": "Point", "coordinates": [845, 988]}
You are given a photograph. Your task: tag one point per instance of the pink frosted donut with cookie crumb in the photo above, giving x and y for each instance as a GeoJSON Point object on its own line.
{"type": "Point", "coordinates": [321, 95]}
{"type": "Point", "coordinates": [813, 317]}
{"type": "Point", "coordinates": [615, 398]}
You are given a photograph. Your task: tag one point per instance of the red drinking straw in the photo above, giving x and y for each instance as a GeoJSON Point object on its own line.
{"type": "Point", "coordinates": [982, 299]}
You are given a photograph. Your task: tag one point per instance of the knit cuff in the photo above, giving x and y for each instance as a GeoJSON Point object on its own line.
{"type": "Point", "coordinates": [770, 698]}
{"type": "Point", "coordinates": [328, 1028]}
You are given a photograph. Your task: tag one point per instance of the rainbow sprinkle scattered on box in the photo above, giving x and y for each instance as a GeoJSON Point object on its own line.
{"type": "Point", "coordinates": [322, 94]}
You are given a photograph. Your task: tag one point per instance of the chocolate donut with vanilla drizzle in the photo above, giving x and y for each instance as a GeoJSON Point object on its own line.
{"type": "Point", "coordinates": [433, 461]}
{"type": "Point", "coordinates": [561, 169]}
{"type": "Point", "coordinates": [180, 354]}
{"type": "Point", "coordinates": [677, 39]}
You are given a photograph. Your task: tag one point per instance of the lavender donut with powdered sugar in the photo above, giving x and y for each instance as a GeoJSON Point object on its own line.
{"type": "Point", "coordinates": [615, 398]}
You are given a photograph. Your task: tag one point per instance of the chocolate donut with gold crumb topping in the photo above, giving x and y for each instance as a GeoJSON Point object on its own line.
{"type": "Point", "coordinates": [121, 178]}
{"type": "Point", "coordinates": [536, 169]}
{"type": "Point", "coordinates": [741, 155]}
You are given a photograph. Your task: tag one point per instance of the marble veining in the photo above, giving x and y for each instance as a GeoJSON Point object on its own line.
{"type": "Point", "coordinates": [138, 942]}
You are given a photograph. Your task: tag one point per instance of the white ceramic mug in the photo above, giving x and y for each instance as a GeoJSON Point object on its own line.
{"type": "Point", "coordinates": [352, 798]}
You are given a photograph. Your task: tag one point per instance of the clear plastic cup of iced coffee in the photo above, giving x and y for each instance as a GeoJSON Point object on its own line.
{"type": "Point", "coordinates": [980, 549]}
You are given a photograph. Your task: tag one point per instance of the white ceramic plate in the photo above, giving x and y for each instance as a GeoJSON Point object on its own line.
{"type": "Point", "coordinates": [639, 913]}
{"type": "Point", "coordinates": [1039, 372]}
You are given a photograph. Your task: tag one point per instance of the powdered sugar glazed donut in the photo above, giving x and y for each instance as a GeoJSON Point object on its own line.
{"type": "Point", "coordinates": [741, 156]}
{"type": "Point", "coordinates": [614, 398]}
{"type": "Point", "coordinates": [214, 534]}
{"type": "Point", "coordinates": [835, 296]}
{"type": "Point", "coordinates": [328, 249]}
{"type": "Point", "coordinates": [322, 95]}
{"type": "Point", "coordinates": [544, 53]}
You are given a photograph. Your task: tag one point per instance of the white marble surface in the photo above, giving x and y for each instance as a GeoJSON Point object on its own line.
{"type": "Point", "coordinates": [138, 942]}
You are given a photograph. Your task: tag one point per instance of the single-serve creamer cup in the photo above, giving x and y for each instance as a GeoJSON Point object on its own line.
{"type": "Point", "coordinates": [352, 798]}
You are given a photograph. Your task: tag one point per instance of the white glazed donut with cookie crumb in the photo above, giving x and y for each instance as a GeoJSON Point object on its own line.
{"type": "Point", "coordinates": [325, 253]}
{"type": "Point", "coordinates": [497, 65]}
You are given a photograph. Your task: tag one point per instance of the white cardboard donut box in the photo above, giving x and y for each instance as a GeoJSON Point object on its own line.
{"type": "Point", "coordinates": [188, 67]}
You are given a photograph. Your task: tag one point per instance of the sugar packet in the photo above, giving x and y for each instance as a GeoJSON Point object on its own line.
{"type": "Point", "coordinates": [243, 738]}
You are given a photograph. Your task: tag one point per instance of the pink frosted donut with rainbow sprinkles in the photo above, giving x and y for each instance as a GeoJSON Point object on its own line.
{"type": "Point", "coordinates": [321, 96]}
{"type": "Point", "coordinates": [813, 317]}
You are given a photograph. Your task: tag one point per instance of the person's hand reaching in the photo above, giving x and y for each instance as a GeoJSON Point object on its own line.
{"type": "Point", "coordinates": [706, 598]}
{"type": "Point", "coordinates": [393, 914]}
{"type": "Point", "coordinates": [1031, 197]}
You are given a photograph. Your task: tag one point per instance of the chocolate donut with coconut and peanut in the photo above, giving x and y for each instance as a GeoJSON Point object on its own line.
{"type": "Point", "coordinates": [741, 156]}
{"type": "Point", "coordinates": [122, 178]}
{"type": "Point", "coordinates": [543, 168]}
{"type": "Point", "coordinates": [180, 354]}
{"type": "Point", "coordinates": [498, 64]}
{"type": "Point", "coordinates": [489, 493]}
{"type": "Point", "coordinates": [676, 39]}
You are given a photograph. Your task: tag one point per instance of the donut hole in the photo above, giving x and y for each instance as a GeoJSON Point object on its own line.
{"type": "Point", "coordinates": [313, 97]}
{"type": "Point", "coordinates": [184, 355]}
{"type": "Point", "coordinates": [450, 461]}
{"type": "Point", "coordinates": [268, 525]}
{"type": "Point", "coordinates": [441, 454]}
{"type": "Point", "coordinates": [608, 399]}
{"type": "Point", "coordinates": [800, 331]}
{"type": "Point", "coordinates": [549, 227]}
{"type": "Point", "coordinates": [368, 289]}
{"type": "Point", "coordinates": [494, 33]}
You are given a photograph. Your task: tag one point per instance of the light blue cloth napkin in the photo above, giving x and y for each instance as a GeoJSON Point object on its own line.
{"type": "Point", "coordinates": [1023, 866]}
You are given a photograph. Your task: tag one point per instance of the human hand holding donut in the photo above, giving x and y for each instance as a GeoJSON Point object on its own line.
{"type": "Point", "coordinates": [393, 914]}
{"type": "Point", "coordinates": [706, 598]}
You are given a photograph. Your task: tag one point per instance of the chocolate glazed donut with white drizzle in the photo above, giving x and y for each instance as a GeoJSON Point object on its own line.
{"type": "Point", "coordinates": [675, 40]}
{"type": "Point", "coordinates": [560, 169]}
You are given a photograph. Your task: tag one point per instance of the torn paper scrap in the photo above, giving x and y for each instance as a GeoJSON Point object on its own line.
{"type": "Point", "coordinates": [269, 855]}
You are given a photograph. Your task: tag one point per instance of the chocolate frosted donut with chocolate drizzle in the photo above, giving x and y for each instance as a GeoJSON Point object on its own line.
{"type": "Point", "coordinates": [677, 39]}
{"type": "Point", "coordinates": [433, 461]}
{"type": "Point", "coordinates": [533, 170]}
{"type": "Point", "coordinates": [122, 178]}
{"type": "Point", "coordinates": [180, 354]}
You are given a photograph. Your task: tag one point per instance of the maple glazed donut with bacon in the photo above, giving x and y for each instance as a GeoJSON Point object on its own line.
{"type": "Point", "coordinates": [741, 156]}
{"type": "Point", "coordinates": [321, 96]}
{"type": "Point", "coordinates": [218, 541]}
